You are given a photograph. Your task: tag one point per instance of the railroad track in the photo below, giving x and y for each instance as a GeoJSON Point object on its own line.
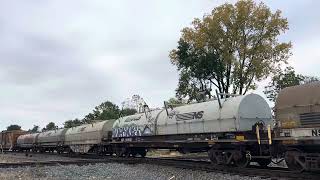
{"type": "Point", "coordinates": [192, 164]}
{"type": "Point", "coordinates": [49, 163]}
{"type": "Point", "coordinates": [252, 171]}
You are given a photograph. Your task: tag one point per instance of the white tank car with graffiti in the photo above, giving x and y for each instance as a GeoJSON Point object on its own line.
{"type": "Point", "coordinates": [234, 114]}
{"type": "Point", "coordinates": [142, 124]}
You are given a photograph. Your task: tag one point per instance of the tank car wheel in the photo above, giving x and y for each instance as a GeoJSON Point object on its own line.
{"type": "Point", "coordinates": [213, 157]}
{"type": "Point", "coordinates": [295, 161]}
{"type": "Point", "coordinates": [134, 154]}
{"type": "Point", "coordinates": [264, 162]}
{"type": "Point", "coordinates": [143, 153]}
{"type": "Point", "coordinates": [120, 152]}
{"type": "Point", "coordinates": [240, 159]}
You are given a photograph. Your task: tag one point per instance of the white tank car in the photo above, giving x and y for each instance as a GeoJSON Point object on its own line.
{"type": "Point", "coordinates": [82, 138]}
{"type": "Point", "coordinates": [238, 113]}
{"type": "Point", "coordinates": [51, 138]}
{"type": "Point", "coordinates": [27, 141]}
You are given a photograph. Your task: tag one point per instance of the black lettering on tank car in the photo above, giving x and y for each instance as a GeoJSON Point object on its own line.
{"type": "Point", "coordinates": [189, 116]}
{"type": "Point", "coordinates": [198, 115]}
{"type": "Point", "coordinates": [316, 132]}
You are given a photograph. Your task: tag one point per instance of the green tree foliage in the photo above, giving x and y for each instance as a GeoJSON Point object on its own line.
{"type": "Point", "coordinates": [13, 127]}
{"type": "Point", "coordinates": [105, 111]}
{"type": "Point", "coordinates": [230, 50]}
{"type": "Point", "coordinates": [72, 123]}
{"type": "Point", "coordinates": [50, 126]}
{"type": "Point", "coordinates": [128, 112]}
{"type": "Point", "coordinates": [284, 79]}
{"type": "Point", "coordinates": [175, 101]}
{"type": "Point", "coordinates": [35, 129]}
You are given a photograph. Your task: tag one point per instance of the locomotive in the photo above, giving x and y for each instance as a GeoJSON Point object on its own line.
{"type": "Point", "coordinates": [233, 129]}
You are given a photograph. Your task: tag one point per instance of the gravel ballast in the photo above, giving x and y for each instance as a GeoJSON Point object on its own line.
{"type": "Point", "coordinates": [113, 171]}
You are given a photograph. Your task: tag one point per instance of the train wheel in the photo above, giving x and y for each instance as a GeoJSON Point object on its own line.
{"type": "Point", "coordinates": [264, 162]}
{"type": "Point", "coordinates": [142, 153]}
{"type": "Point", "coordinates": [120, 151]}
{"type": "Point", "coordinates": [213, 157]}
{"type": "Point", "coordinates": [295, 161]}
{"type": "Point", "coordinates": [240, 159]}
{"type": "Point", "coordinates": [134, 154]}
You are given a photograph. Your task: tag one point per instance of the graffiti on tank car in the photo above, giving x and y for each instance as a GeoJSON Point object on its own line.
{"type": "Point", "coordinates": [189, 116]}
{"type": "Point", "coordinates": [172, 114]}
{"type": "Point", "coordinates": [127, 131]}
{"type": "Point", "coordinates": [129, 119]}
{"type": "Point", "coordinates": [131, 131]}
{"type": "Point", "coordinates": [147, 131]}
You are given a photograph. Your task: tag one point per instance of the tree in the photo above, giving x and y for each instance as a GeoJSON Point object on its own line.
{"type": "Point", "coordinates": [284, 79]}
{"type": "Point", "coordinates": [35, 129]}
{"type": "Point", "coordinates": [230, 50]}
{"type": "Point", "coordinates": [128, 112]}
{"type": "Point", "coordinates": [135, 102]}
{"type": "Point", "coordinates": [50, 126]}
{"type": "Point", "coordinates": [105, 111]}
{"type": "Point", "coordinates": [175, 101]}
{"type": "Point", "coordinates": [13, 127]}
{"type": "Point", "coordinates": [72, 123]}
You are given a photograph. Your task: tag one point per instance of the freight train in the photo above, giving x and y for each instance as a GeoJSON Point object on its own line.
{"type": "Point", "coordinates": [233, 129]}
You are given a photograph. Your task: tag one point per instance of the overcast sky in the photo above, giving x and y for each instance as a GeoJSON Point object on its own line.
{"type": "Point", "coordinates": [59, 59]}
